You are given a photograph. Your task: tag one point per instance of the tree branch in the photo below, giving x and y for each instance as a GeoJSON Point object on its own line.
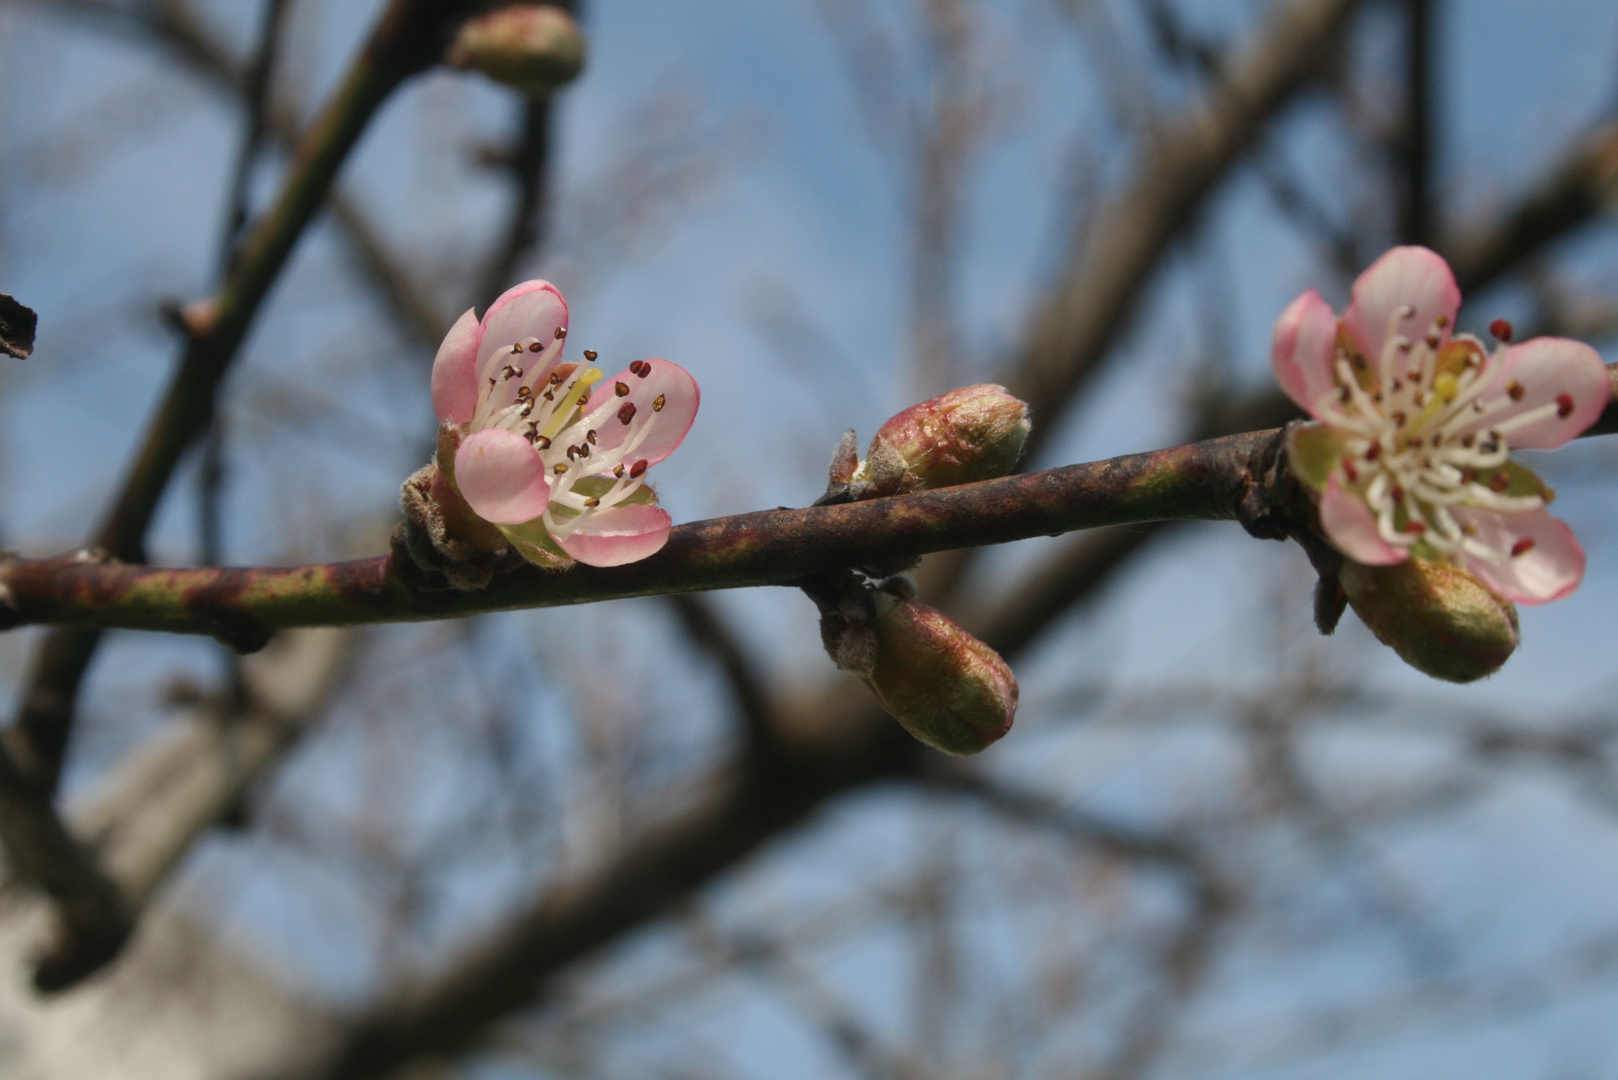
{"type": "Point", "coordinates": [1113, 263]}
{"type": "Point", "coordinates": [1220, 479]}
{"type": "Point", "coordinates": [409, 36]}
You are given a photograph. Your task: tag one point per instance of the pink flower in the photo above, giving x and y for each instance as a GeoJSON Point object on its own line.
{"type": "Point", "coordinates": [554, 454]}
{"type": "Point", "coordinates": [1415, 423]}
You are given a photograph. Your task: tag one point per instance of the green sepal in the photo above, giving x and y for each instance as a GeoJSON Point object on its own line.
{"type": "Point", "coordinates": [1521, 481]}
{"type": "Point", "coordinates": [593, 487]}
{"type": "Point", "coordinates": [533, 542]}
{"type": "Point", "coordinates": [1314, 450]}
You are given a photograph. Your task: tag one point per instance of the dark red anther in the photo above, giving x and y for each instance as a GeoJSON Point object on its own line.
{"type": "Point", "coordinates": [1349, 471]}
{"type": "Point", "coordinates": [620, 388]}
{"type": "Point", "coordinates": [1499, 482]}
{"type": "Point", "coordinates": [590, 355]}
{"type": "Point", "coordinates": [1501, 329]}
{"type": "Point", "coordinates": [1415, 528]}
{"type": "Point", "coordinates": [1522, 547]}
{"type": "Point", "coordinates": [1514, 390]}
{"type": "Point", "coordinates": [638, 468]}
{"type": "Point", "coordinates": [1564, 405]}
{"type": "Point", "coordinates": [641, 368]}
{"type": "Point", "coordinates": [626, 412]}
{"type": "Point", "coordinates": [1373, 451]}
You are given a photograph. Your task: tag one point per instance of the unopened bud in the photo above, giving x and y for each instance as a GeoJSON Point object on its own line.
{"type": "Point", "coordinates": [534, 48]}
{"type": "Point", "coordinates": [1439, 619]}
{"type": "Point", "coordinates": [974, 433]}
{"type": "Point", "coordinates": [945, 687]}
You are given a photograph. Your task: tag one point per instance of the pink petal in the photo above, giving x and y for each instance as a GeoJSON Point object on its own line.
{"type": "Point", "coordinates": [501, 477]}
{"type": "Point", "coordinates": [665, 424]}
{"type": "Point", "coordinates": [532, 309]}
{"type": "Point", "coordinates": [1302, 350]}
{"type": "Point", "coordinates": [455, 383]}
{"type": "Point", "coordinates": [1550, 563]}
{"type": "Point", "coordinates": [1550, 371]}
{"type": "Point", "coordinates": [1404, 277]}
{"type": "Point", "coordinates": [621, 534]}
{"type": "Point", "coordinates": [1351, 527]}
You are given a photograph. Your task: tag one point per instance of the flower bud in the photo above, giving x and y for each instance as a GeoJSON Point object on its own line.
{"type": "Point", "coordinates": [974, 433]}
{"type": "Point", "coordinates": [534, 48]}
{"type": "Point", "coordinates": [945, 687]}
{"type": "Point", "coordinates": [1439, 619]}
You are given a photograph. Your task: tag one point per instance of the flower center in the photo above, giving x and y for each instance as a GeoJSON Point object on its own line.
{"type": "Point", "coordinates": [1423, 438]}
{"type": "Point", "coordinates": [544, 402]}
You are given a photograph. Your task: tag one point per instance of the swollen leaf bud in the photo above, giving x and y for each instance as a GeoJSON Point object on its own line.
{"type": "Point", "coordinates": [974, 433]}
{"type": "Point", "coordinates": [1439, 619]}
{"type": "Point", "coordinates": [533, 48]}
{"type": "Point", "coordinates": [945, 687]}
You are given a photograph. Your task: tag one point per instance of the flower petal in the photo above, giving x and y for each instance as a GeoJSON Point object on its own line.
{"type": "Point", "coordinates": [533, 309]}
{"type": "Point", "coordinates": [1549, 372]}
{"type": "Point", "coordinates": [1549, 562]}
{"type": "Point", "coordinates": [621, 534]}
{"type": "Point", "coordinates": [501, 477]}
{"type": "Point", "coordinates": [1404, 278]}
{"type": "Point", "coordinates": [662, 403]}
{"type": "Point", "coordinates": [1351, 527]}
{"type": "Point", "coordinates": [1302, 351]}
{"type": "Point", "coordinates": [455, 381]}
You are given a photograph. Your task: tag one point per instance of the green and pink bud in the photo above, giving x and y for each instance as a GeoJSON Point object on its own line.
{"type": "Point", "coordinates": [1437, 616]}
{"type": "Point", "coordinates": [973, 433]}
{"type": "Point", "coordinates": [531, 47]}
{"type": "Point", "coordinates": [947, 688]}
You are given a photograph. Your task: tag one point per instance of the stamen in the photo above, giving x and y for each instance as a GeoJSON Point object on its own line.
{"type": "Point", "coordinates": [621, 389]}
{"type": "Point", "coordinates": [618, 471]}
{"type": "Point", "coordinates": [641, 368]}
{"type": "Point", "coordinates": [657, 403]}
{"type": "Point", "coordinates": [1564, 405]}
{"type": "Point", "coordinates": [627, 413]}
{"type": "Point", "coordinates": [559, 468]}
{"type": "Point", "coordinates": [592, 502]}
{"type": "Point", "coordinates": [590, 436]}
{"type": "Point", "coordinates": [535, 347]}
{"type": "Point", "coordinates": [1514, 390]}
{"type": "Point", "coordinates": [590, 355]}
{"type": "Point", "coordinates": [1501, 329]}
{"type": "Point", "coordinates": [638, 468]}
{"type": "Point", "coordinates": [1522, 547]}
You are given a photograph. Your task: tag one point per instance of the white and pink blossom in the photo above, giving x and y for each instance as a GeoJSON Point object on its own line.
{"type": "Point", "coordinates": [1416, 421]}
{"type": "Point", "coordinates": [553, 453]}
